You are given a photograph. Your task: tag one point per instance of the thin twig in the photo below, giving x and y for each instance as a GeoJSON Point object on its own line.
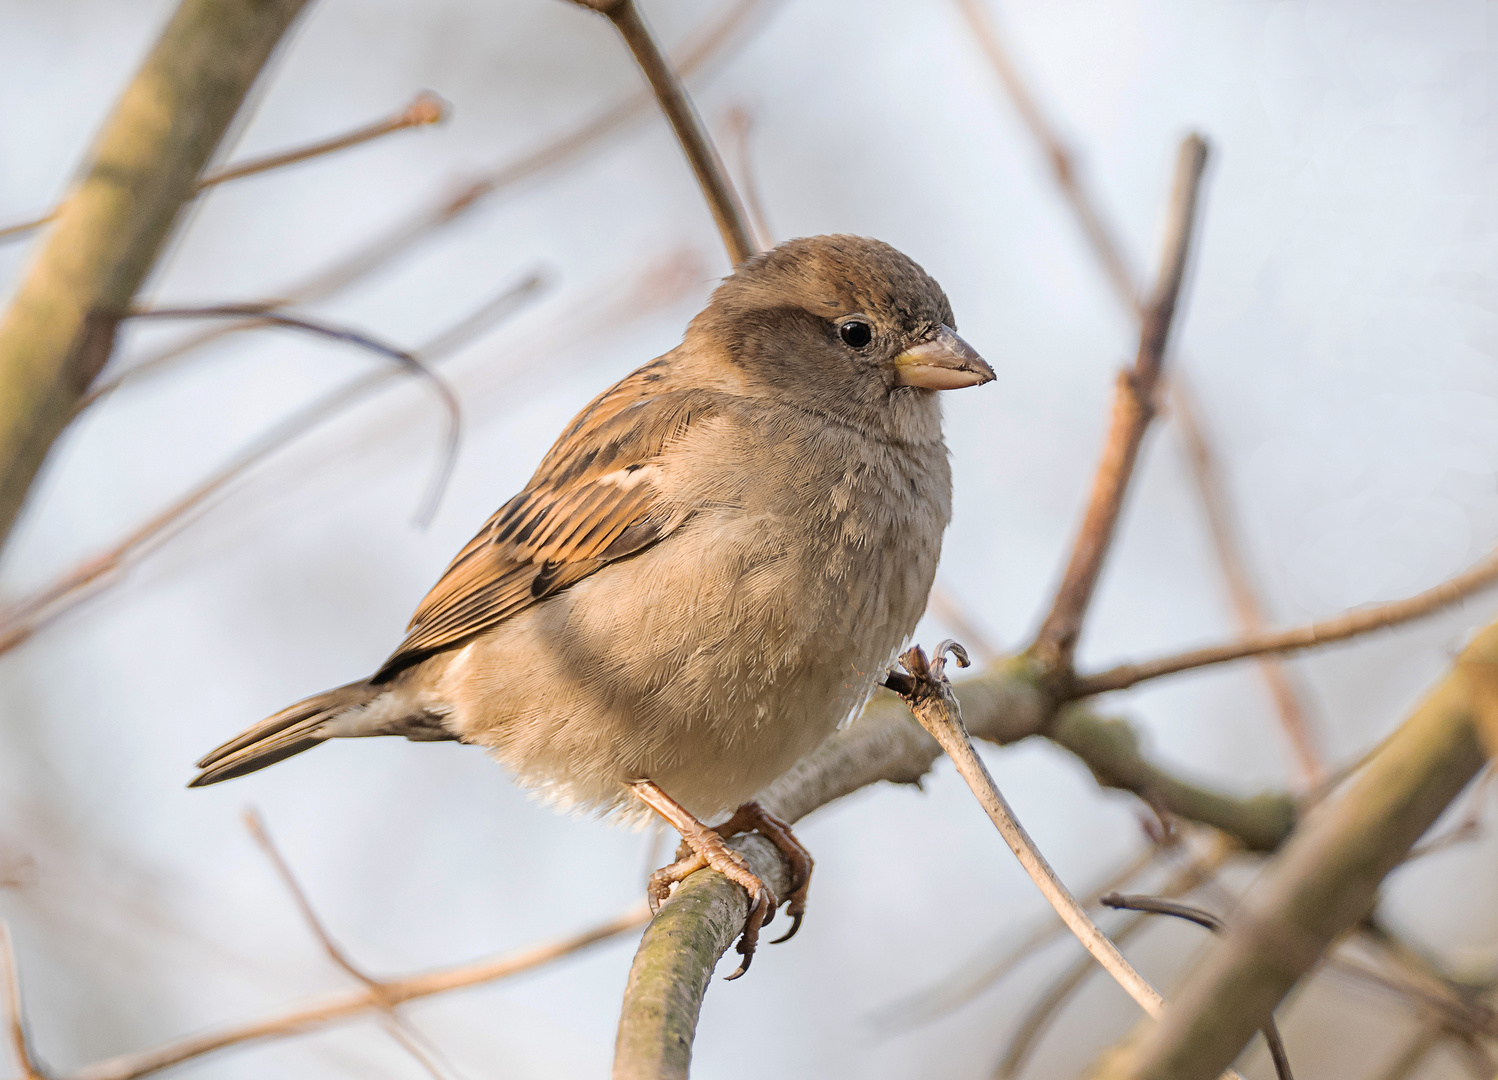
{"type": "Point", "coordinates": [1063, 165]}
{"type": "Point", "coordinates": [929, 695]}
{"type": "Point", "coordinates": [740, 123]}
{"type": "Point", "coordinates": [411, 361]}
{"type": "Point", "coordinates": [1159, 905]}
{"type": "Point", "coordinates": [350, 1005]}
{"type": "Point", "coordinates": [998, 959]}
{"type": "Point", "coordinates": [1133, 409]}
{"type": "Point", "coordinates": [1210, 489]}
{"type": "Point", "coordinates": [425, 109]}
{"type": "Point", "coordinates": [1037, 1019]}
{"type": "Point", "coordinates": [695, 142]}
{"type": "Point", "coordinates": [402, 237]}
{"type": "Point", "coordinates": [1326, 632]}
{"type": "Point", "coordinates": [23, 618]}
{"type": "Point", "coordinates": [15, 1015]}
{"type": "Point", "coordinates": [946, 607]}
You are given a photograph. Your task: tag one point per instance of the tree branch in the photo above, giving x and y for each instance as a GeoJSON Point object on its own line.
{"type": "Point", "coordinates": [396, 240]}
{"type": "Point", "coordinates": [59, 330]}
{"type": "Point", "coordinates": [15, 1014]}
{"type": "Point", "coordinates": [1003, 705]}
{"type": "Point", "coordinates": [712, 178]}
{"type": "Point", "coordinates": [329, 1009]}
{"type": "Point", "coordinates": [1133, 409]}
{"type": "Point", "coordinates": [1326, 879]}
{"type": "Point", "coordinates": [1326, 632]}
{"type": "Point", "coordinates": [425, 109]}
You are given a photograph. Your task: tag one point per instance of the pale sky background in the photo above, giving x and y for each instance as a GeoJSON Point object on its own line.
{"type": "Point", "coordinates": [1341, 330]}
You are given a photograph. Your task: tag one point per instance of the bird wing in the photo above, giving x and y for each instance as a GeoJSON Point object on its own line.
{"type": "Point", "coordinates": [596, 497]}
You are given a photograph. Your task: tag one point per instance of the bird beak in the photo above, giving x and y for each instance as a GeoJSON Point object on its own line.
{"type": "Point", "coordinates": [945, 362]}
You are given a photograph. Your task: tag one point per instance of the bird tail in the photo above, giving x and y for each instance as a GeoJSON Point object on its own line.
{"type": "Point", "coordinates": [294, 729]}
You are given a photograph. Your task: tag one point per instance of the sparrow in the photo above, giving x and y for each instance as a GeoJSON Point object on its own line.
{"type": "Point", "coordinates": [707, 574]}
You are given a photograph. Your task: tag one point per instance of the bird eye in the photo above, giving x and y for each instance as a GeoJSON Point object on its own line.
{"type": "Point", "coordinates": [855, 333]}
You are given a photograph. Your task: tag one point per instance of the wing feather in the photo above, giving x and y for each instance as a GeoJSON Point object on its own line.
{"type": "Point", "coordinates": [596, 498]}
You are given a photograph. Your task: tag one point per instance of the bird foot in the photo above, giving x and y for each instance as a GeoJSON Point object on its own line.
{"type": "Point", "coordinates": [702, 846]}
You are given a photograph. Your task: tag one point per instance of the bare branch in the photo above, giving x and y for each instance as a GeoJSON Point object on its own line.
{"type": "Point", "coordinates": [1235, 573]}
{"type": "Point", "coordinates": [727, 31]}
{"type": "Point", "coordinates": [411, 361]}
{"type": "Point", "coordinates": [1326, 878]}
{"type": "Point", "coordinates": [1342, 627]}
{"type": "Point", "coordinates": [1039, 1016]}
{"type": "Point", "coordinates": [425, 109]}
{"type": "Point", "coordinates": [929, 695]}
{"type": "Point", "coordinates": [695, 142]}
{"type": "Point", "coordinates": [999, 958]}
{"type": "Point", "coordinates": [1063, 166]}
{"type": "Point", "coordinates": [337, 1008]}
{"type": "Point", "coordinates": [60, 327]}
{"type": "Point", "coordinates": [15, 1016]}
{"type": "Point", "coordinates": [26, 616]}
{"type": "Point", "coordinates": [1133, 409]}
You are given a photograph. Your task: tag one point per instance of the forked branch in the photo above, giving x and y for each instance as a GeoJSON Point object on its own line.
{"type": "Point", "coordinates": [1133, 409]}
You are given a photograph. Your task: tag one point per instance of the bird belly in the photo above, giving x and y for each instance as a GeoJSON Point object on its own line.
{"type": "Point", "coordinates": [709, 664]}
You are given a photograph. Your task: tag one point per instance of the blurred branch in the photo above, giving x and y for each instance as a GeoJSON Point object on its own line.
{"type": "Point", "coordinates": [20, 620]}
{"type": "Point", "coordinates": [929, 695]}
{"type": "Point", "coordinates": [1039, 1016]}
{"type": "Point", "coordinates": [1063, 165]}
{"type": "Point", "coordinates": [1412, 1054]}
{"type": "Point", "coordinates": [1159, 905]}
{"type": "Point", "coordinates": [727, 31]}
{"type": "Point", "coordinates": [1313, 635]}
{"type": "Point", "coordinates": [60, 327]}
{"type": "Point", "coordinates": [999, 958]}
{"type": "Point", "coordinates": [695, 142]}
{"type": "Point", "coordinates": [336, 1008]}
{"type": "Point", "coordinates": [946, 607]}
{"type": "Point", "coordinates": [1003, 705]}
{"type": "Point", "coordinates": [1241, 591]}
{"type": "Point", "coordinates": [425, 109]}
{"type": "Point", "coordinates": [397, 1026]}
{"type": "Point", "coordinates": [410, 361]}
{"type": "Point", "coordinates": [740, 123]}
{"type": "Point", "coordinates": [1208, 481]}
{"type": "Point", "coordinates": [1326, 878]}
{"type": "Point", "coordinates": [15, 1016]}
{"type": "Point", "coordinates": [1133, 409]}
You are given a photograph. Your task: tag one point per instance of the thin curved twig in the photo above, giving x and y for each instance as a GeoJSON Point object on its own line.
{"type": "Point", "coordinates": [337, 1008]}
{"type": "Point", "coordinates": [702, 155]}
{"type": "Point", "coordinates": [411, 361]}
{"type": "Point", "coordinates": [15, 1015]}
{"type": "Point", "coordinates": [396, 240]}
{"type": "Point", "coordinates": [1133, 409]}
{"type": "Point", "coordinates": [23, 618]}
{"type": "Point", "coordinates": [426, 109]}
{"type": "Point", "coordinates": [1342, 627]}
{"type": "Point", "coordinates": [1159, 905]}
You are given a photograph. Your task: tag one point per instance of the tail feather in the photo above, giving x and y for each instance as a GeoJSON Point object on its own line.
{"type": "Point", "coordinates": [290, 731]}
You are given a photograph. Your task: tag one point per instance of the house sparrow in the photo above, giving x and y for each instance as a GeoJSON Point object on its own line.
{"type": "Point", "coordinates": [708, 572]}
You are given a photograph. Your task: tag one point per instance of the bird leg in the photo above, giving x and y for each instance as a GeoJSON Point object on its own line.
{"type": "Point", "coordinates": [706, 848]}
{"type": "Point", "coordinates": [752, 817]}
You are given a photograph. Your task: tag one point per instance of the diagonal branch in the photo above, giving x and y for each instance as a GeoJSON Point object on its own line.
{"type": "Point", "coordinates": [1326, 878]}
{"type": "Point", "coordinates": [15, 1016]}
{"type": "Point", "coordinates": [1003, 705]}
{"type": "Point", "coordinates": [425, 109]}
{"type": "Point", "coordinates": [725, 32]}
{"type": "Point", "coordinates": [712, 178]}
{"type": "Point", "coordinates": [1313, 635]}
{"type": "Point", "coordinates": [329, 1009]}
{"type": "Point", "coordinates": [59, 330]}
{"type": "Point", "coordinates": [1133, 409]}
